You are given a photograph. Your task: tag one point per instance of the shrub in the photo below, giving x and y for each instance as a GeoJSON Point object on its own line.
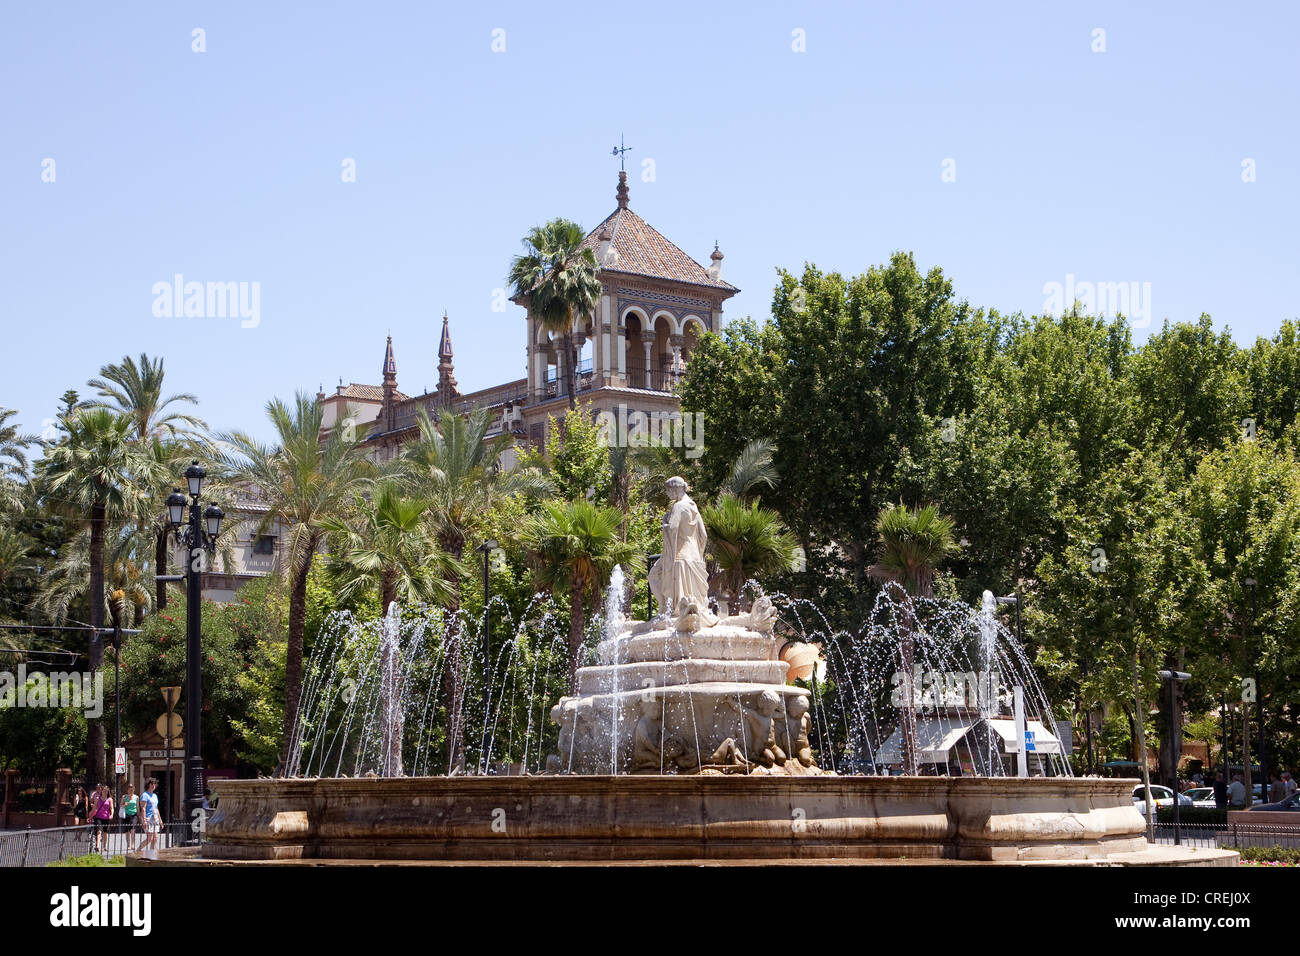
{"type": "Point", "coordinates": [1270, 854]}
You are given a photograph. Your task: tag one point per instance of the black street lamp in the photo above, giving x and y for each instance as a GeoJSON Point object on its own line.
{"type": "Point", "coordinates": [1259, 705]}
{"type": "Point", "coordinates": [197, 535]}
{"type": "Point", "coordinates": [1175, 741]}
{"type": "Point", "coordinates": [486, 549]}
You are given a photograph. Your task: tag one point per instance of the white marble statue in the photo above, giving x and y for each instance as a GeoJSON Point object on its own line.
{"type": "Point", "coordinates": [679, 580]}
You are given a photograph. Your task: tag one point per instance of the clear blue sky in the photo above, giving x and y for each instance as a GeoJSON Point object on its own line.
{"type": "Point", "coordinates": [226, 166]}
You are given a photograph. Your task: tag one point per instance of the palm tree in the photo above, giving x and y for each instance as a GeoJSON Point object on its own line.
{"type": "Point", "coordinates": [557, 275]}
{"type": "Point", "coordinates": [127, 594]}
{"type": "Point", "coordinates": [13, 461]}
{"type": "Point", "coordinates": [90, 476]}
{"type": "Point", "coordinates": [573, 547]}
{"type": "Point", "coordinates": [303, 482]}
{"type": "Point", "coordinates": [746, 540]}
{"type": "Point", "coordinates": [456, 471]}
{"type": "Point", "coordinates": [752, 469]}
{"type": "Point", "coordinates": [912, 543]}
{"type": "Point", "coordinates": [17, 559]}
{"type": "Point", "coordinates": [13, 446]}
{"type": "Point", "coordinates": [387, 544]}
{"type": "Point", "coordinates": [136, 390]}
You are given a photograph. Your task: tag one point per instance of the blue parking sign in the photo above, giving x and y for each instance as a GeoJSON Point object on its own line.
{"type": "Point", "coordinates": [1029, 741]}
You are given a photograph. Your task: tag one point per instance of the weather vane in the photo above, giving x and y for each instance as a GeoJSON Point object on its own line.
{"type": "Point", "coordinates": [618, 151]}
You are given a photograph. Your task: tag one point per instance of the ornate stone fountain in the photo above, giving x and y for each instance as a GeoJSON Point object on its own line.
{"type": "Point", "coordinates": [684, 742]}
{"type": "Point", "coordinates": [688, 692]}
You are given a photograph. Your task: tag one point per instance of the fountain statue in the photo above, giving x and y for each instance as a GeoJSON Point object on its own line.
{"type": "Point", "coordinates": [687, 691]}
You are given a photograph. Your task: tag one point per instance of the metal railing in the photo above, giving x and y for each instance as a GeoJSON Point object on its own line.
{"type": "Point", "coordinates": [1229, 836]}
{"type": "Point", "coordinates": [43, 847]}
{"type": "Point", "coordinates": [658, 380]}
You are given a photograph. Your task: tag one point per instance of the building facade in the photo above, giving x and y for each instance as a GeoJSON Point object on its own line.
{"type": "Point", "coordinates": [655, 303]}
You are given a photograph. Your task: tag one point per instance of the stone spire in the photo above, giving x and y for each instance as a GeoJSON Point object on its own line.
{"type": "Point", "coordinates": [390, 365]}
{"type": "Point", "coordinates": [715, 270]}
{"type": "Point", "coordinates": [621, 195]}
{"type": "Point", "coordinates": [388, 411]}
{"type": "Point", "coordinates": [447, 389]}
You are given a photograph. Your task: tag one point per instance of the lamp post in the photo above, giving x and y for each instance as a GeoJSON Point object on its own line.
{"type": "Point", "coordinates": [1022, 756]}
{"type": "Point", "coordinates": [1175, 741]}
{"type": "Point", "coordinates": [170, 695]}
{"type": "Point", "coordinates": [197, 536]}
{"type": "Point", "coordinates": [486, 549]}
{"type": "Point", "coordinates": [1245, 712]}
{"type": "Point", "coordinates": [1259, 702]}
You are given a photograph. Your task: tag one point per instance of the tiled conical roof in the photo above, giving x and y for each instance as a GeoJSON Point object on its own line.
{"type": "Point", "coordinates": [643, 250]}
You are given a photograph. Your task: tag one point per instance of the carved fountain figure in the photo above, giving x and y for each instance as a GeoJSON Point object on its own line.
{"type": "Point", "coordinates": [687, 691]}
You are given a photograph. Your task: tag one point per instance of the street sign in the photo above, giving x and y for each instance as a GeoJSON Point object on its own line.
{"type": "Point", "coordinates": [177, 725]}
{"type": "Point", "coordinates": [1248, 690]}
{"type": "Point", "coordinates": [1029, 742]}
{"type": "Point", "coordinates": [119, 760]}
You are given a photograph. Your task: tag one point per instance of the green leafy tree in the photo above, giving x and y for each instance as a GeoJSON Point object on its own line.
{"type": "Point", "coordinates": [304, 481]}
{"type": "Point", "coordinates": [575, 458]}
{"type": "Point", "coordinates": [37, 740]}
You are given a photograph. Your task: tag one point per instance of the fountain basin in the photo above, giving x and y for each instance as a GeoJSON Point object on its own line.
{"type": "Point", "coordinates": [575, 818]}
{"type": "Point", "coordinates": [609, 677]}
{"type": "Point", "coordinates": [722, 642]}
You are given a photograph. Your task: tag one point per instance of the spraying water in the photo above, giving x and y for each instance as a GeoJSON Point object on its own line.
{"type": "Point", "coordinates": [374, 698]}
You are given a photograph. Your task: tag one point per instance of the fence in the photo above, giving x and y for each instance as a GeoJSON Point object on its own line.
{"type": "Point", "coordinates": [42, 847]}
{"type": "Point", "coordinates": [1229, 836]}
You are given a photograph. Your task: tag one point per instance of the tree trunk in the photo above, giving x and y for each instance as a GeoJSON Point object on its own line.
{"type": "Point", "coordinates": [160, 567]}
{"type": "Point", "coordinates": [907, 722]}
{"type": "Point", "coordinates": [95, 766]}
{"type": "Point", "coordinates": [577, 624]}
{"type": "Point", "coordinates": [571, 369]}
{"type": "Point", "coordinates": [452, 681]}
{"type": "Point", "coordinates": [389, 591]}
{"type": "Point", "coordinates": [293, 656]}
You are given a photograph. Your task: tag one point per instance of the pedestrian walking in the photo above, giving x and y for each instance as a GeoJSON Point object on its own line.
{"type": "Point", "coordinates": [100, 820]}
{"type": "Point", "coordinates": [80, 807]}
{"type": "Point", "coordinates": [130, 812]}
{"type": "Point", "coordinates": [149, 814]}
{"type": "Point", "coordinates": [1237, 792]}
{"type": "Point", "coordinates": [1220, 791]}
{"type": "Point", "coordinates": [1288, 782]}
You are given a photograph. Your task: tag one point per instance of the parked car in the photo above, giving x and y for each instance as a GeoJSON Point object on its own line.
{"type": "Point", "coordinates": [1201, 796]}
{"type": "Point", "coordinates": [1290, 803]}
{"type": "Point", "coordinates": [1160, 796]}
